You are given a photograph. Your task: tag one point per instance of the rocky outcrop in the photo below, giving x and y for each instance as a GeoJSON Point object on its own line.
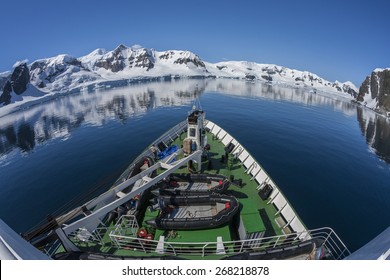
{"type": "Point", "coordinates": [113, 62]}
{"type": "Point", "coordinates": [5, 97]}
{"type": "Point", "coordinates": [3, 80]}
{"type": "Point", "coordinates": [194, 60]}
{"type": "Point", "coordinates": [186, 58]}
{"type": "Point", "coordinates": [250, 77]}
{"type": "Point", "coordinates": [348, 89]}
{"type": "Point", "coordinates": [16, 83]}
{"type": "Point", "coordinates": [267, 78]}
{"type": "Point", "coordinates": [47, 71]}
{"type": "Point", "coordinates": [144, 59]}
{"type": "Point", "coordinates": [375, 90]}
{"type": "Point", "coordinates": [20, 78]}
{"type": "Point", "coordinates": [122, 56]}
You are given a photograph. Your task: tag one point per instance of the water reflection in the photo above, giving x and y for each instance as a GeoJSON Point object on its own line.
{"type": "Point", "coordinates": [57, 118]}
{"type": "Point", "coordinates": [279, 93]}
{"type": "Point", "coordinates": [376, 129]}
{"type": "Point", "coordinates": [25, 129]}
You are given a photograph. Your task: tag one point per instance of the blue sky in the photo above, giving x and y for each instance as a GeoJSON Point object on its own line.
{"type": "Point", "coordinates": [343, 40]}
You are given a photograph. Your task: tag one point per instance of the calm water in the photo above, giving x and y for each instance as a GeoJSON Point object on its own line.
{"type": "Point", "coordinates": [329, 157]}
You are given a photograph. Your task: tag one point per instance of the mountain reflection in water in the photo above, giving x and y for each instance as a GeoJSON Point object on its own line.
{"type": "Point", "coordinates": [59, 117]}
{"type": "Point", "coordinates": [376, 129]}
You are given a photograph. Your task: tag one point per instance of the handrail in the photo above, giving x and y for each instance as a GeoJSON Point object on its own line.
{"type": "Point", "coordinates": [330, 240]}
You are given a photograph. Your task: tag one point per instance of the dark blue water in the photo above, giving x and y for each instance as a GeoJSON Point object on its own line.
{"type": "Point", "coordinates": [328, 156]}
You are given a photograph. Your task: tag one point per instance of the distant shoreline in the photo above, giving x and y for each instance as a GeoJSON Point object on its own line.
{"type": "Point", "coordinates": [122, 83]}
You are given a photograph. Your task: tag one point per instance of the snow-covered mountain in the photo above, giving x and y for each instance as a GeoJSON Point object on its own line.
{"type": "Point", "coordinates": [64, 73]}
{"type": "Point", "coordinates": [374, 92]}
{"type": "Point", "coordinates": [124, 63]}
{"type": "Point", "coordinates": [277, 74]}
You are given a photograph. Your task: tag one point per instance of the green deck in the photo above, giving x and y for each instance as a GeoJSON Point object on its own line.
{"type": "Point", "coordinates": [205, 235]}
{"type": "Point", "coordinates": [247, 194]}
{"type": "Point", "coordinates": [250, 216]}
{"type": "Point", "coordinates": [253, 208]}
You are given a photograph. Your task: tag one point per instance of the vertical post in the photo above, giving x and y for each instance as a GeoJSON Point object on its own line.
{"type": "Point", "coordinates": [199, 161]}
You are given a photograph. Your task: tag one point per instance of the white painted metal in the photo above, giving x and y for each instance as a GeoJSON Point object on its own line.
{"type": "Point", "coordinates": [222, 133]}
{"type": "Point", "coordinates": [227, 139]}
{"type": "Point", "coordinates": [237, 150]}
{"type": "Point", "coordinates": [235, 143]}
{"type": "Point", "coordinates": [114, 204]}
{"type": "Point", "coordinates": [220, 246]}
{"type": "Point", "coordinates": [385, 255]}
{"type": "Point", "coordinates": [261, 177]}
{"type": "Point", "coordinates": [209, 125]}
{"type": "Point", "coordinates": [254, 170]}
{"type": "Point", "coordinates": [288, 214]}
{"type": "Point", "coordinates": [280, 202]}
{"type": "Point", "coordinates": [14, 247]}
{"type": "Point", "coordinates": [169, 158]}
{"type": "Point", "coordinates": [215, 129]}
{"type": "Point", "coordinates": [160, 245]}
{"type": "Point", "coordinates": [331, 241]}
{"type": "Point", "coordinates": [298, 227]}
{"type": "Point", "coordinates": [113, 192]}
{"type": "Point", "coordinates": [6, 252]}
{"type": "Point", "coordinates": [243, 155]}
{"type": "Point", "coordinates": [248, 162]}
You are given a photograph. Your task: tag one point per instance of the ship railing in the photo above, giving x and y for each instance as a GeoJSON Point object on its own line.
{"type": "Point", "coordinates": [167, 138]}
{"type": "Point", "coordinates": [332, 242]}
{"type": "Point", "coordinates": [323, 237]}
{"type": "Point", "coordinates": [286, 216]}
{"type": "Point", "coordinates": [52, 248]}
{"type": "Point", "coordinates": [85, 237]}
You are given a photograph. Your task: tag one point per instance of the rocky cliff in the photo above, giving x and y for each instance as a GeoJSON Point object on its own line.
{"type": "Point", "coordinates": [16, 83]}
{"type": "Point", "coordinates": [375, 91]}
